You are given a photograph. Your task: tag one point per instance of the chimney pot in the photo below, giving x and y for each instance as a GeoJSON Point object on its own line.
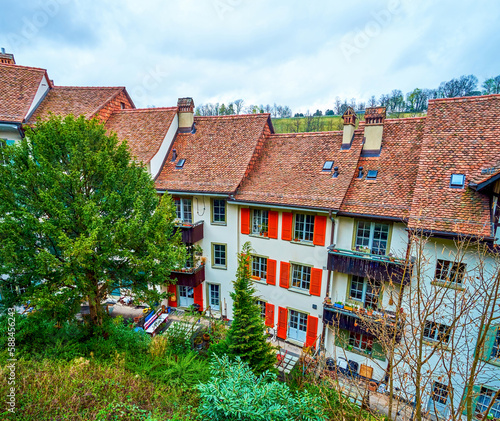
{"type": "Point", "coordinates": [360, 174]}
{"type": "Point", "coordinates": [349, 117]}
{"type": "Point", "coordinates": [185, 107]}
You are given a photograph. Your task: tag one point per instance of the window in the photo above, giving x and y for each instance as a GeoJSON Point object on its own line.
{"type": "Point", "coordinates": [262, 305]}
{"type": "Point", "coordinates": [218, 211]}
{"type": "Point", "coordinates": [304, 227]}
{"type": "Point", "coordinates": [214, 296]}
{"type": "Point", "coordinates": [3, 143]}
{"type": "Point", "coordinates": [328, 166]}
{"type": "Point", "coordinates": [484, 401]}
{"type": "Point", "coordinates": [180, 164]}
{"type": "Point", "coordinates": [447, 271]}
{"type": "Point", "coordinates": [360, 341]}
{"type": "Point", "coordinates": [219, 255]}
{"type": "Point", "coordinates": [186, 296]}
{"type": "Point", "coordinates": [297, 326]}
{"type": "Point", "coordinates": [457, 181]}
{"type": "Point", "coordinates": [183, 209]}
{"type": "Point", "coordinates": [365, 290]}
{"type": "Point", "coordinates": [301, 277]}
{"type": "Point", "coordinates": [440, 393]}
{"type": "Point", "coordinates": [372, 175]}
{"type": "Point", "coordinates": [259, 267]}
{"type": "Point", "coordinates": [372, 237]}
{"type": "Point", "coordinates": [495, 351]}
{"type": "Point", "coordinates": [260, 222]}
{"type": "Point", "coordinates": [436, 332]}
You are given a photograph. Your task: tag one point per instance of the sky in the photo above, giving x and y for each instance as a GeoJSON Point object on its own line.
{"type": "Point", "coordinates": [296, 53]}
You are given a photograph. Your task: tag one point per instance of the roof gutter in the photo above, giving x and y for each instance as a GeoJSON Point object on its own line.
{"type": "Point", "coordinates": [272, 205]}
{"type": "Point", "coordinates": [451, 235]}
{"type": "Point", "coordinates": [12, 126]}
{"type": "Point", "coordinates": [192, 193]}
{"type": "Point", "coordinates": [368, 215]}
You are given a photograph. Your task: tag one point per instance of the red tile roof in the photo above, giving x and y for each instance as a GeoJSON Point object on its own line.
{"type": "Point", "coordinates": [289, 170]}
{"type": "Point", "coordinates": [462, 136]}
{"type": "Point", "coordinates": [391, 193]}
{"type": "Point", "coordinates": [144, 129]}
{"type": "Point", "coordinates": [87, 101]}
{"type": "Point", "coordinates": [217, 156]}
{"type": "Point", "coordinates": [18, 87]}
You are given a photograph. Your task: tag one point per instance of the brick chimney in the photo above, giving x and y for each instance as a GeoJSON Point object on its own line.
{"type": "Point", "coordinates": [374, 129]}
{"type": "Point", "coordinates": [349, 118]}
{"type": "Point", "coordinates": [6, 58]}
{"type": "Point", "coordinates": [186, 114]}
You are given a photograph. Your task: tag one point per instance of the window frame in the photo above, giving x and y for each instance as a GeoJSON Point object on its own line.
{"type": "Point", "coordinates": [219, 266]}
{"type": "Point", "coordinates": [495, 349]}
{"type": "Point", "coordinates": [366, 283]}
{"type": "Point", "coordinates": [213, 220]}
{"type": "Point", "coordinates": [262, 305]}
{"type": "Point", "coordinates": [303, 272]}
{"type": "Point", "coordinates": [371, 238]}
{"type": "Point", "coordinates": [440, 392]}
{"type": "Point", "coordinates": [303, 235]}
{"type": "Point", "coordinates": [484, 405]}
{"type": "Point", "coordinates": [209, 295]}
{"type": "Point", "coordinates": [361, 341]}
{"type": "Point", "coordinates": [262, 261]}
{"type": "Point", "coordinates": [301, 317]}
{"type": "Point", "coordinates": [455, 270]}
{"type": "Point", "coordinates": [437, 330]}
{"type": "Point", "coordinates": [261, 222]}
{"type": "Point", "coordinates": [180, 210]}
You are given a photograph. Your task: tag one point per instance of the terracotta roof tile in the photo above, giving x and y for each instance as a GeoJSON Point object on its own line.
{"type": "Point", "coordinates": [64, 100]}
{"type": "Point", "coordinates": [144, 129]}
{"type": "Point", "coordinates": [18, 87]}
{"type": "Point", "coordinates": [462, 136]}
{"type": "Point", "coordinates": [289, 170]}
{"type": "Point", "coordinates": [391, 193]}
{"type": "Point", "coordinates": [217, 156]}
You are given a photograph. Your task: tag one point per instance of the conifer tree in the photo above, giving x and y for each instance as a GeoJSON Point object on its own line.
{"type": "Point", "coordinates": [246, 337]}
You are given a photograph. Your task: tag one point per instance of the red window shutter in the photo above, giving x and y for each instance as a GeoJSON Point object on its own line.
{"type": "Point", "coordinates": [269, 315]}
{"type": "Point", "coordinates": [282, 319]}
{"type": "Point", "coordinates": [271, 272]}
{"type": "Point", "coordinates": [286, 226]}
{"type": "Point", "coordinates": [312, 331]}
{"type": "Point", "coordinates": [245, 221]}
{"type": "Point", "coordinates": [319, 230]}
{"type": "Point", "coordinates": [172, 301]}
{"type": "Point", "coordinates": [315, 286]}
{"type": "Point", "coordinates": [273, 224]}
{"type": "Point", "coordinates": [198, 296]}
{"type": "Point", "coordinates": [284, 274]}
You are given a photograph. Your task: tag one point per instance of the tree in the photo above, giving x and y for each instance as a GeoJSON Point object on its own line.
{"type": "Point", "coordinates": [235, 393]}
{"type": "Point", "coordinates": [491, 86]}
{"type": "Point", "coordinates": [246, 338]}
{"type": "Point", "coordinates": [329, 112]}
{"type": "Point", "coordinates": [318, 113]}
{"type": "Point", "coordinates": [79, 219]}
{"type": "Point", "coordinates": [239, 105]}
{"type": "Point", "coordinates": [372, 101]}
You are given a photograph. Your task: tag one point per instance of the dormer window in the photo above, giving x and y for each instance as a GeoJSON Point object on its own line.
{"type": "Point", "coordinates": [328, 166]}
{"type": "Point", "coordinates": [457, 181]}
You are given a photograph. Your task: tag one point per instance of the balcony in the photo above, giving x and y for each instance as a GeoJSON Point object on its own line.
{"type": "Point", "coordinates": [190, 277]}
{"type": "Point", "coordinates": [377, 324]}
{"type": "Point", "coordinates": [191, 233]}
{"type": "Point", "coordinates": [383, 268]}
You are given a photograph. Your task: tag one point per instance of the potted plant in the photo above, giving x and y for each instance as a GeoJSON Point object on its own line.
{"type": "Point", "coordinates": [369, 311]}
{"type": "Point", "coordinates": [338, 304]}
{"type": "Point", "coordinates": [348, 307]}
{"type": "Point", "coordinates": [372, 386]}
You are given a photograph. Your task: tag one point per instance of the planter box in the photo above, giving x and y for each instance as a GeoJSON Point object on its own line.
{"type": "Point", "coordinates": [338, 305]}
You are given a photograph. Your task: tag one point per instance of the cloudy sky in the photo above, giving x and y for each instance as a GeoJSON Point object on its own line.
{"type": "Point", "coordinates": [295, 53]}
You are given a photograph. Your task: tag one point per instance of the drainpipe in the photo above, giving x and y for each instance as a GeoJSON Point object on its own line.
{"type": "Point", "coordinates": [328, 278]}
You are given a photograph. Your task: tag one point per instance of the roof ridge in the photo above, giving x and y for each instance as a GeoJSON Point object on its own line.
{"type": "Point", "coordinates": [143, 110]}
{"type": "Point", "coordinates": [233, 116]}
{"type": "Point", "coordinates": [394, 120]}
{"type": "Point", "coordinates": [21, 66]}
{"type": "Point", "coordinates": [88, 87]}
{"type": "Point", "coordinates": [466, 98]}
{"type": "Point", "coordinates": [304, 134]}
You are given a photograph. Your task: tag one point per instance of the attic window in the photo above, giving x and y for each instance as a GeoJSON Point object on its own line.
{"type": "Point", "coordinates": [328, 166]}
{"type": "Point", "coordinates": [372, 175]}
{"type": "Point", "coordinates": [180, 164]}
{"type": "Point", "coordinates": [457, 181]}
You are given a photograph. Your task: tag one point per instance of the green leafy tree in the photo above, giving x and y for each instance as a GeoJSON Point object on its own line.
{"type": "Point", "coordinates": [79, 219]}
{"type": "Point", "coordinates": [246, 338]}
{"type": "Point", "coordinates": [235, 393]}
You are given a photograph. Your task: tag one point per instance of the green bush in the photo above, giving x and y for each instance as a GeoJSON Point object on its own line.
{"type": "Point", "coordinates": [235, 393]}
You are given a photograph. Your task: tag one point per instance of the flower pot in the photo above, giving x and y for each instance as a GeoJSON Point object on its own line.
{"type": "Point", "coordinates": [348, 308]}
{"type": "Point", "coordinates": [206, 337]}
{"type": "Point", "coordinates": [369, 312]}
{"type": "Point", "coordinates": [338, 305]}
{"type": "Point", "coordinates": [372, 386]}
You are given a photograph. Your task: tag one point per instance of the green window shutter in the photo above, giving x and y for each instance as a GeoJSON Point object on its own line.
{"type": "Point", "coordinates": [341, 338]}
{"type": "Point", "coordinates": [489, 342]}
{"type": "Point", "coordinates": [464, 401]}
{"type": "Point", "coordinates": [476, 390]}
{"type": "Point", "coordinates": [378, 351]}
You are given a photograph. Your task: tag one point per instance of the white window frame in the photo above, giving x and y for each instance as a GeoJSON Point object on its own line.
{"type": "Point", "coordinates": [484, 400]}
{"type": "Point", "coordinates": [220, 254]}
{"type": "Point", "coordinates": [370, 242]}
{"type": "Point", "coordinates": [184, 295]}
{"type": "Point", "coordinates": [433, 331]}
{"type": "Point", "coordinates": [303, 228]}
{"type": "Point", "coordinates": [259, 267]}
{"type": "Point", "coordinates": [364, 292]}
{"type": "Point", "coordinates": [495, 350]}
{"type": "Point", "coordinates": [450, 271]}
{"type": "Point", "coordinates": [301, 277]}
{"type": "Point", "coordinates": [297, 325]}
{"type": "Point", "coordinates": [184, 209]}
{"type": "Point", "coordinates": [214, 296]}
{"type": "Point", "coordinates": [262, 305]}
{"type": "Point", "coordinates": [260, 221]}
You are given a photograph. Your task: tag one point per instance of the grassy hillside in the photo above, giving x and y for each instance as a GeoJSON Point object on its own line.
{"type": "Point", "coordinates": [321, 124]}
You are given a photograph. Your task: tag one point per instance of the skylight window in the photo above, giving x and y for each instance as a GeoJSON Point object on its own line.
{"type": "Point", "coordinates": [328, 166]}
{"type": "Point", "coordinates": [457, 181]}
{"type": "Point", "coordinates": [180, 164]}
{"type": "Point", "coordinates": [372, 174]}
